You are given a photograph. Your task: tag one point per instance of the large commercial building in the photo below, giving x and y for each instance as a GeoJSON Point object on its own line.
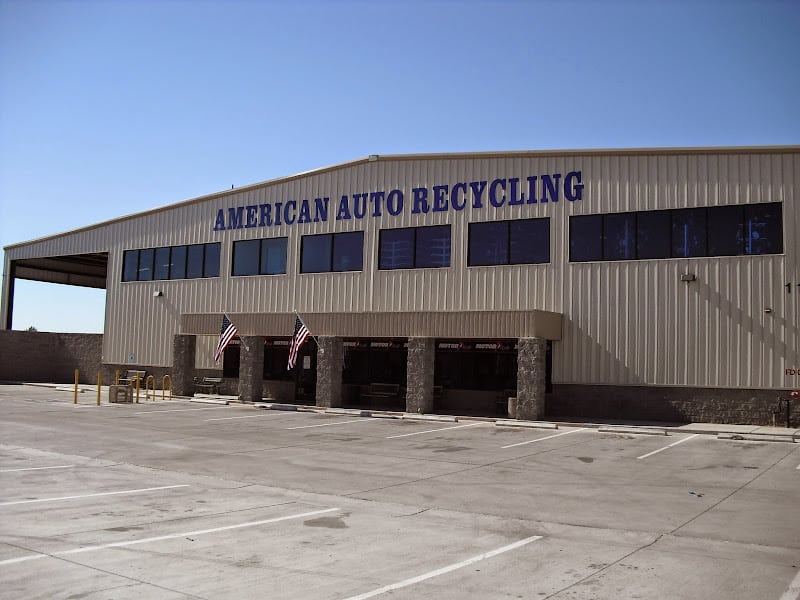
{"type": "Point", "coordinates": [646, 283]}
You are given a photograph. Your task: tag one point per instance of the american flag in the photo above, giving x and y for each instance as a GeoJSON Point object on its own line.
{"type": "Point", "coordinates": [301, 332]}
{"type": "Point", "coordinates": [226, 333]}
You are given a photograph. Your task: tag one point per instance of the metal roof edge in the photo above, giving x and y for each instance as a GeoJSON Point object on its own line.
{"type": "Point", "coordinates": [425, 156]}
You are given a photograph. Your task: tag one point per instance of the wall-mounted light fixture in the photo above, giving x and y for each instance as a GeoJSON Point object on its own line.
{"type": "Point", "coordinates": [158, 294]}
{"type": "Point", "coordinates": [688, 277]}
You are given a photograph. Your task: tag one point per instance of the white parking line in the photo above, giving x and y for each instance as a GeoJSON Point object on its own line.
{"type": "Point", "coordinates": [443, 570]}
{"type": "Point", "coordinates": [363, 420]}
{"type": "Point", "coordinates": [159, 538]}
{"type": "Point", "coordinates": [152, 489]}
{"type": "Point", "coordinates": [546, 437]}
{"type": "Point", "coordinates": [245, 417]}
{"type": "Point", "coordinates": [35, 468]}
{"type": "Point", "coordinates": [391, 437]}
{"type": "Point", "coordinates": [687, 438]}
{"type": "Point", "coordinates": [793, 591]}
{"type": "Point", "coordinates": [155, 412]}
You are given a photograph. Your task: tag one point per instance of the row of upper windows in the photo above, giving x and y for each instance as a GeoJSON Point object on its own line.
{"type": "Point", "coordinates": [714, 231]}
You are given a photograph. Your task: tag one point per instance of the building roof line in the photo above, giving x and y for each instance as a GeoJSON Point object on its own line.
{"type": "Point", "coordinates": [669, 151]}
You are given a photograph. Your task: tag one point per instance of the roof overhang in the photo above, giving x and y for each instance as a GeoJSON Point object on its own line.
{"type": "Point", "coordinates": [87, 270]}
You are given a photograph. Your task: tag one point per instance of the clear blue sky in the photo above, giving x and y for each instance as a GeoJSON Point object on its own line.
{"type": "Point", "coordinates": [113, 107]}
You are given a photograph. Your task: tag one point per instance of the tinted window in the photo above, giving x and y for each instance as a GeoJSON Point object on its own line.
{"type": "Point", "coordinates": [315, 253]}
{"type": "Point", "coordinates": [763, 228]}
{"type": "Point", "coordinates": [145, 272]}
{"type": "Point", "coordinates": [348, 251]}
{"type": "Point", "coordinates": [194, 261]}
{"type": "Point", "coordinates": [653, 234]}
{"type": "Point", "coordinates": [689, 232]}
{"type": "Point", "coordinates": [530, 241]}
{"type": "Point", "coordinates": [130, 265]}
{"type": "Point", "coordinates": [211, 263]}
{"type": "Point", "coordinates": [586, 238]}
{"type": "Point", "coordinates": [273, 256]}
{"type": "Point", "coordinates": [433, 247]}
{"type": "Point", "coordinates": [246, 256]}
{"type": "Point", "coordinates": [488, 244]}
{"type": "Point", "coordinates": [177, 265]}
{"type": "Point", "coordinates": [619, 236]}
{"type": "Point", "coordinates": [162, 264]}
{"type": "Point", "coordinates": [725, 230]}
{"type": "Point", "coordinates": [396, 249]}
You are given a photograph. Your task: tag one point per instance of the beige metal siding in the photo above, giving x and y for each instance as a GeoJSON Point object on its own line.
{"type": "Point", "coordinates": [629, 322]}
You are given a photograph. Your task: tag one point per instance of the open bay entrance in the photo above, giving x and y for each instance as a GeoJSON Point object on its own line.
{"type": "Point", "coordinates": [374, 374]}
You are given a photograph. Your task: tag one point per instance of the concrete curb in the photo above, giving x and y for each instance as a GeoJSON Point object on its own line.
{"type": "Point", "coordinates": [354, 412]}
{"type": "Point", "coordinates": [633, 430]}
{"type": "Point", "coordinates": [528, 424]}
{"type": "Point", "coordinates": [209, 401]}
{"type": "Point", "coordinates": [759, 437]}
{"type": "Point", "coordinates": [440, 418]}
{"type": "Point", "coordinates": [275, 406]}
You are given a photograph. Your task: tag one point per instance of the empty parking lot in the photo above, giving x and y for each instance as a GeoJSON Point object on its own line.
{"type": "Point", "coordinates": [188, 500]}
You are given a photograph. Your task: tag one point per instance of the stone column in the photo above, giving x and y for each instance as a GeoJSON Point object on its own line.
{"type": "Point", "coordinates": [183, 356]}
{"type": "Point", "coordinates": [251, 368]}
{"type": "Point", "coordinates": [419, 386]}
{"type": "Point", "coordinates": [330, 361]}
{"type": "Point", "coordinates": [531, 369]}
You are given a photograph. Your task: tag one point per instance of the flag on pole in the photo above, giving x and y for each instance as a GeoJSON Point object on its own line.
{"type": "Point", "coordinates": [226, 333]}
{"type": "Point", "coordinates": [301, 332]}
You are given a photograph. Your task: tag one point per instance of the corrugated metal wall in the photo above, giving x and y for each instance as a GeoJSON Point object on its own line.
{"type": "Point", "coordinates": [631, 322]}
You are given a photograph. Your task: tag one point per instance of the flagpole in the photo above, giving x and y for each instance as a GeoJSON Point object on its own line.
{"type": "Point", "coordinates": [297, 314]}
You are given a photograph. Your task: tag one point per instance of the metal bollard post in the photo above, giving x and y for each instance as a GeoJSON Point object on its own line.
{"type": "Point", "coordinates": [137, 389]}
{"type": "Point", "coordinates": [116, 377]}
{"type": "Point", "coordinates": [75, 397]}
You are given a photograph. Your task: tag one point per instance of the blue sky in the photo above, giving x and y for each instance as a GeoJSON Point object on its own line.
{"type": "Point", "coordinates": [113, 107]}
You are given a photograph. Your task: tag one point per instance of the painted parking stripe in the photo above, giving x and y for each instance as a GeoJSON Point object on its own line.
{"type": "Point", "coordinates": [391, 437]}
{"type": "Point", "coordinates": [155, 412]}
{"type": "Point", "coordinates": [545, 438]}
{"type": "Point", "coordinates": [244, 417]}
{"type": "Point", "coordinates": [793, 591]}
{"type": "Point", "coordinates": [362, 420]}
{"type": "Point", "coordinates": [443, 570]}
{"type": "Point", "coordinates": [160, 538]}
{"type": "Point", "coordinates": [686, 439]}
{"type": "Point", "coordinates": [36, 468]}
{"type": "Point", "coordinates": [139, 491]}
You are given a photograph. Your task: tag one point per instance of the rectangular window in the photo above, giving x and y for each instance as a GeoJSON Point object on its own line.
{"type": "Point", "coordinates": [246, 255]}
{"type": "Point", "coordinates": [414, 247]}
{"type": "Point", "coordinates": [332, 252]}
{"type": "Point", "coordinates": [586, 238]}
{"type": "Point", "coordinates": [689, 232]}
{"type": "Point", "coordinates": [212, 258]}
{"type": "Point", "coordinates": [725, 225]}
{"type": "Point", "coordinates": [194, 261]}
{"type": "Point", "coordinates": [396, 249]}
{"type": "Point", "coordinates": [162, 263]}
{"type": "Point", "coordinates": [488, 244]}
{"type": "Point", "coordinates": [177, 263]}
{"type": "Point", "coordinates": [653, 234]}
{"type": "Point", "coordinates": [130, 265]}
{"type": "Point", "coordinates": [273, 256]}
{"type": "Point", "coordinates": [145, 272]}
{"type": "Point", "coordinates": [735, 230]}
{"type": "Point", "coordinates": [619, 236]}
{"type": "Point", "coordinates": [763, 228]}
{"type": "Point", "coordinates": [529, 241]}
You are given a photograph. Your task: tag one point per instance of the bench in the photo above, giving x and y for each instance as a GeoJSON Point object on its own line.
{"type": "Point", "coordinates": [207, 385]}
{"type": "Point", "coordinates": [131, 376]}
{"type": "Point", "coordinates": [381, 393]}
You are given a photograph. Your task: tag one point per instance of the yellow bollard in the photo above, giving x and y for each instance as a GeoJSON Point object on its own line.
{"type": "Point", "coordinates": [116, 377]}
{"type": "Point", "coordinates": [137, 388]}
{"type": "Point", "coordinates": [99, 385]}
{"type": "Point", "coordinates": [75, 398]}
{"type": "Point", "coordinates": [147, 387]}
{"type": "Point", "coordinates": [164, 381]}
